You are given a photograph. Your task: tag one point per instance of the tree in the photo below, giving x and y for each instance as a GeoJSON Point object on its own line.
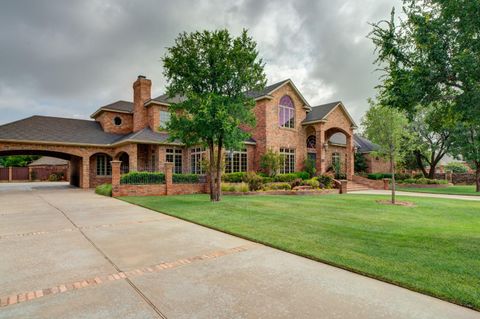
{"type": "Point", "coordinates": [387, 127]}
{"type": "Point", "coordinates": [17, 160]}
{"type": "Point", "coordinates": [432, 55]}
{"type": "Point", "coordinates": [271, 162]}
{"type": "Point", "coordinates": [466, 142]}
{"type": "Point", "coordinates": [432, 127]}
{"type": "Point", "coordinates": [456, 167]}
{"type": "Point", "coordinates": [360, 163]}
{"type": "Point", "coordinates": [212, 71]}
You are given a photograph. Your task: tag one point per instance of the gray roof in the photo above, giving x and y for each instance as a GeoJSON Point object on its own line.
{"type": "Point", "coordinates": [146, 136]}
{"type": "Point", "coordinates": [319, 112]}
{"type": "Point", "coordinates": [47, 160]}
{"type": "Point", "coordinates": [121, 106]}
{"type": "Point", "coordinates": [364, 145]}
{"type": "Point", "coordinates": [165, 99]}
{"type": "Point", "coordinates": [56, 129]}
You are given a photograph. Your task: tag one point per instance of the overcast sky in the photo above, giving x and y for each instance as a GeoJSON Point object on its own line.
{"type": "Point", "coordinates": [67, 58]}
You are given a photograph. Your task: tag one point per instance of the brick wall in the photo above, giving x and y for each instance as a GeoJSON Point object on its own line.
{"type": "Point", "coordinates": [159, 189]}
{"type": "Point", "coordinates": [141, 93]}
{"type": "Point", "coordinates": [106, 119]}
{"type": "Point", "coordinates": [376, 164]}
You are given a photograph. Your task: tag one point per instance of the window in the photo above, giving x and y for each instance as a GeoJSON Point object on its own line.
{"type": "Point", "coordinates": [103, 165]}
{"type": "Point", "coordinates": [288, 160]}
{"type": "Point", "coordinates": [311, 141]}
{"type": "Point", "coordinates": [117, 121]}
{"type": "Point", "coordinates": [335, 158]}
{"type": "Point", "coordinates": [286, 112]}
{"type": "Point", "coordinates": [196, 157]}
{"type": "Point", "coordinates": [236, 161]}
{"type": "Point", "coordinates": [174, 155]}
{"type": "Point", "coordinates": [164, 118]}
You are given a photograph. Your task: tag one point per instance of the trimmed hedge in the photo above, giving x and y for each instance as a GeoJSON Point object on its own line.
{"type": "Point", "coordinates": [423, 181]}
{"type": "Point", "coordinates": [140, 178]}
{"type": "Point", "coordinates": [185, 179]}
{"type": "Point", "coordinates": [234, 177]}
{"type": "Point", "coordinates": [104, 189]}
{"type": "Point", "coordinates": [377, 176]}
{"type": "Point", "coordinates": [277, 186]}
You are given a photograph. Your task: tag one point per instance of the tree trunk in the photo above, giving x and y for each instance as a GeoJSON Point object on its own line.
{"type": "Point", "coordinates": [418, 157]}
{"type": "Point", "coordinates": [218, 192]}
{"type": "Point", "coordinates": [477, 176]}
{"type": "Point", "coordinates": [211, 171]}
{"type": "Point", "coordinates": [392, 168]}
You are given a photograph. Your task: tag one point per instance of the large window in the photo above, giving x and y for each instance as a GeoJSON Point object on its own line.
{"type": "Point", "coordinates": [164, 118]}
{"type": "Point", "coordinates": [288, 155]}
{"type": "Point", "coordinates": [335, 158]}
{"type": "Point", "coordinates": [196, 157]}
{"type": "Point", "coordinates": [174, 155]}
{"type": "Point", "coordinates": [286, 112]}
{"type": "Point", "coordinates": [236, 161]}
{"type": "Point", "coordinates": [103, 165]}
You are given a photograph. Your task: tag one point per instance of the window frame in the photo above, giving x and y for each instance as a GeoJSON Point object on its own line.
{"type": "Point", "coordinates": [283, 110]}
{"type": "Point", "coordinates": [289, 160]}
{"type": "Point", "coordinates": [336, 157]}
{"type": "Point", "coordinates": [163, 122]}
{"type": "Point", "coordinates": [238, 162]}
{"type": "Point", "coordinates": [103, 166]}
{"type": "Point", "coordinates": [175, 155]}
{"type": "Point", "coordinates": [196, 156]}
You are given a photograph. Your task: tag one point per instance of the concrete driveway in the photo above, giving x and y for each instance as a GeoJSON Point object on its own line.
{"type": "Point", "coordinates": [68, 253]}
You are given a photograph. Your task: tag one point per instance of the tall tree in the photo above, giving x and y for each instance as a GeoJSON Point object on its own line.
{"type": "Point", "coordinates": [388, 127]}
{"type": "Point", "coordinates": [212, 71]}
{"type": "Point", "coordinates": [432, 55]}
{"type": "Point", "coordinates": [466, 142]}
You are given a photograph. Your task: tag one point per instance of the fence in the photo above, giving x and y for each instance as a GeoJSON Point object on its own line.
{"type": "Point", "coordinates": [457, 178]}
{"type": "Point", "coordinates": [148, 182]}
{"type": "Point", "coordinates": [9, 174]}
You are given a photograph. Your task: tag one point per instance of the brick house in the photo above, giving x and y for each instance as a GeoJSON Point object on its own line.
{"type": "Point", "coordinates": [133, 133]}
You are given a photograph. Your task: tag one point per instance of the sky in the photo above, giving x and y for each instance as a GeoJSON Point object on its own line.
{"type": "Point", "coordinates": [67, 58]}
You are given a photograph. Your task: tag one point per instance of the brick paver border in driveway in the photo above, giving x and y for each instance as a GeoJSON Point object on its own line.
{"type": "Point", "coordinates": [69, 253]}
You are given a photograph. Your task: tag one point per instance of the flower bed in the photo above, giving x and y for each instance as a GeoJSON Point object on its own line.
{"type": "Point", "coordinates": [287, 192]}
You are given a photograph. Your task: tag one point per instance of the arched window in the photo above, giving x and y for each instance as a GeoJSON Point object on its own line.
{"type": "Point", "coordinates": [286, 112]}
{"type": "Point", "coordinates": [311, 141]}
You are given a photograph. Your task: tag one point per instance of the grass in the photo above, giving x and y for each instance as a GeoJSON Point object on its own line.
{"type": "Point", "coordinates": [104, 189]}
{"type": "Point", "coordinates": [450, 190]}
{"type": "Point", "coordinates": [432, 248]}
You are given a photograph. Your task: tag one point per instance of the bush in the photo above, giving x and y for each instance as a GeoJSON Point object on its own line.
{"type": "Point", "coordinates": [54, 177]}
{"type": "Point", "coordinates": [296, 182]}
{"type": "Point", "coordinates": [377, 176]}
{"type": "Point", "coordinates": [185, 178]}
{"type": "Point", "coordinates": [402, 176]}
{"type": "Point", "coordinates": [277, 186]}
{"type": "Point", "coordinates": [423, 181]}
{"type": "Point", "coordinates": [270, 162]}
{"type": "Point", "coordinates": [325, 180]}
{"type": "Point", "coordinates": [310, 168]}
{"type": "Point", "coordinates": [314, 183]}
{"type": "Point", "coordinates": [254, 181]}
{"type": "Point", "coordinates": [233, 177]}
{"type": "Point", "coordinates": [287, 178]}
{"type": "Point", "coordinates": [418, 175]}
{"type": "Point", "coordinates": [142, 178]}
{"type": "Point", "coordinates": [456, 167]}
{"type": "Point", "coordinates": [104, 189]}
{"type": "Point", "coordinates": [304, 175]}
{"type": "Point", "coordinates": [234, 187]}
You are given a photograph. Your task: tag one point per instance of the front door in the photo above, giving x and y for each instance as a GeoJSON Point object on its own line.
{"type": "Point", "coordinates": [312, 156]}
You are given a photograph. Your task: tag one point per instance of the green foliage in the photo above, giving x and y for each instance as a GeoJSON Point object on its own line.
{"type": "Point", "coordinates": [277, 186]}
{"type": "Point", "coordinates": [303, 175]}
{"type": "Point", "coordinates": [271, 162]}
{"type": "Point", "coordinates": [234, 177]}
{"type": "Point", "coordinates": [325, 180]}
{"type": "Point", "coordinates": [456, 167]}
{"type": "Point", "coordinates": [254, 181]}
{"type": "Point", "coordinates": [288, 178]}
{"type": "Point", "coordinates": [314, 183]}
{"type": "Point", "coordinates": [140, 178]}
{"type": "Point", "coordinates": [310, 167]}
{"type": "Point", "coordinates": [360, 163]}
{"type": "Point", "coordinates": [235, 187]}
{"type": "Point", "coordinates": [212, 71]}
{"type": "Point", "coordinates": [17, 160]}
{"type": "Point", "coordinates": [296, 182]}
{"type": "Point", "coordinates": [377, 176]}
{"type": "Point", "coordinates": [185, 178]}
{"type": "Point", "coordinates": [337, 170]}
{"type": "Point", "coordinates": [55, 177]}
{"type": "Point", "coordinates": [104, 189]}
{"type": "Point", "coordinates": [423, 181]}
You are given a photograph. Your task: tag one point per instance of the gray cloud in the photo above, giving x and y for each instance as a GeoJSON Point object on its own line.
{"type": "Point", "coordinates": [66, 58]}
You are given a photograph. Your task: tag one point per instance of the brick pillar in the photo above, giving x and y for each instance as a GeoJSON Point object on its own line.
{"type": "Point", "coordinates": [115, 176]}
{"type": "Point", "coordinates": [30, 173]}
{"type": "Point", "coordinates": [386, 183]}
{"type": "Point", "coordinates": [343, 186]}
{"type": "Point", "coordinates": [133, 158]}
{"type": "Point", "coordinates": [85, 172]}
{"type": "Point", "coordinates": [320, 140]}
{"type": "Point", "coordinates": [350, 157]}
{"type": "Point", "coordinates": [168, 177]}
{"type": "Point", "coordinates": [10, 173]}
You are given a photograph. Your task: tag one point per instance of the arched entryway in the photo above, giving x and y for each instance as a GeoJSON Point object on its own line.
{"type": "Point", "coordinates": [125, 159]}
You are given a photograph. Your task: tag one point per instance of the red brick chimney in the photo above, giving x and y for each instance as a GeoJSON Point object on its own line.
{"type": "Point", "coordinates": [141, 93]}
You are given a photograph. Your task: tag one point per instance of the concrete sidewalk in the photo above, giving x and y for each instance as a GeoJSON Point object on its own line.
{"type": "Point", "coordinates": [68, 253]}
{"type": "Point", "coordinates": [415, 194]}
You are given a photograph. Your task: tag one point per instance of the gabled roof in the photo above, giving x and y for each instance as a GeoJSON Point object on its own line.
{"type": "Point", "coordinates": [118, 106]}
{"type": "Point", "coordinates": [265, 93]}
{"type": "Point", "coordinates": [364, 145]}
{"type": "Point", "coordinates": [146, 136]}
{"type": "Point", "coordinates": [320, 113]}
{"type": "Point", "coordinates": [56, 129]}
{"type": "Point", "coordinates": [47, 160]}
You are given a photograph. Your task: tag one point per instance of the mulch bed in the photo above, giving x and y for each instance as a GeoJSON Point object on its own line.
{"type": "Point", "coordinates": [397, 203]}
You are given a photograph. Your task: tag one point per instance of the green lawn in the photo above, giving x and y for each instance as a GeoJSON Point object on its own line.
{"type": "Point", "coordinates": [433, 247]}
{"type": "Point", "coordinates": [452, 190]}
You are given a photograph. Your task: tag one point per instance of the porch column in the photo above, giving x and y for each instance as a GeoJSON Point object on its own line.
{"type": "Point", "coordinates": [168, 178]}
{"type": "Point", "coordinates": [320, 140]}
{"type": "Point", "coordinates": [350, 157]}
{"type": "Point", "coordinates": [85, 172]}
{"type": "Point", "coordinates": [132, 158]}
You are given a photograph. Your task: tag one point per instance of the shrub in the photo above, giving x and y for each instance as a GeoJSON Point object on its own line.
{"type": "Point", "coordinates": [402, 176]}
{"type": "Point", "coordinates": [310, 168]}
{"type": "Point", "coordinates": [235, 187]}
{"type": "Point", "coordinates": [185, 178]}
{"type": "Point", "coordinates": [270, 162]}
{"type": "Point", "coordinates": [304, 175]}
{"type": "Point", "coordinates": [254, 181]}
{"type": "Point", "coordinates": [288, 178]}
{"type": "Point", "coordinates": [296, 182]}
{"type": "Point", "coordinates": [423, 181]}
{"type": "Point", "coordinates": [233, 177]}
{"type": "Point", "coordinates": [325, 180]}
{"type": "Point", "coordinates": [104, 189]}
{"type": "Point", "coordinates": [314, 183]}
{"type": "Point", "coordinates": [277, 186]}
{"type": "Point", "coordinates": [418, 175]}
{"type": "Point", "coordinates": [377, 176]}
{"type": "Point", "coordinates": [360, 163]}
{"type": "Point", "coordinates": [142, 178]}
{"type": "Point", "coordinates": [456, 167]}
{"type": "Point", "coordinates": [53, 177]}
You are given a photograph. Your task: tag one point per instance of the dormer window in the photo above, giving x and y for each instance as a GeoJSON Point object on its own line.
{"type": "Point", "coordinates": [164, 119]}
{"type": "Point", "coordinates": [117, 121]}
{"type": "Point", "coordinates": [286, 112]}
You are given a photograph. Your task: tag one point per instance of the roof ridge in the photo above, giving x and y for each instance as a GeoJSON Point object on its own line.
{"type": "Point", "coordinates": [58, 117]}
